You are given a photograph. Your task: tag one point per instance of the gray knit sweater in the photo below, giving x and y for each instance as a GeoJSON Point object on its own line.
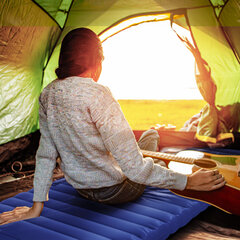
{"type": "Point", "coordinates": [81, 122]}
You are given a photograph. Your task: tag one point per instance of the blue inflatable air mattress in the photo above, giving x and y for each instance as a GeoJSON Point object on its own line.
{"type": "Point", "coordinates": [67, 216]}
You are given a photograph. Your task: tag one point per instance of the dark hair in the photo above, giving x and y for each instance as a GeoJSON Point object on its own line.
{"type": "Point", "coordinates": [81, 49]}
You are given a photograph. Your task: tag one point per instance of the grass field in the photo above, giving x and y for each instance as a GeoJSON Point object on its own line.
{"type": "Point", "coordinates": [142, 114]}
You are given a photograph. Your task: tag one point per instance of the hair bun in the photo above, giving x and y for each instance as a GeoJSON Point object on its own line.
{"type": "Point", "coordinates": [59, 74]}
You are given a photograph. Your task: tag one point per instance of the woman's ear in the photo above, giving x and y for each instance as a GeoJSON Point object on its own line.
{"type": "Point", "coordinates": [97, 72]}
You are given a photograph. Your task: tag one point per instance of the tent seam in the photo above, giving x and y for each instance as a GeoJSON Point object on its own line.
{"type": "Point", "coordinates": [46, 13]}
{"type": "Point", "coordinates": [222, 29]}
{"type": "Point", "coordinates": [68, 14]}
{"type": "Point", "coordinates": [223, 8]}
{"type": "Point", "coordinates": [226, 35]}
{"type": "Point", "coordinates": [56, 43]}
{"type": "Point", "coordinates": [146, 14]}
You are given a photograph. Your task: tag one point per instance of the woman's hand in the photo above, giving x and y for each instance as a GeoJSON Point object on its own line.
{"type": "Point", "coordinates": [21, 213]}
{"type": "Point", "coordinates": [205, 180]}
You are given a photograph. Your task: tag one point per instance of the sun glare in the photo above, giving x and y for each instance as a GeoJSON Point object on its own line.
{"type": "Point", "coordinates": [148, 61]}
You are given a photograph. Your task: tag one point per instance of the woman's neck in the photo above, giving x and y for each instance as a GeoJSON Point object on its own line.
{"type": "Point", "coordinates": [93, 73]}
{"type": "Point", "coordinates": [87, 74]}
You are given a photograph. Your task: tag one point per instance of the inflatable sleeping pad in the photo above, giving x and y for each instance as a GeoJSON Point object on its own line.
{"type": "Point", "coordinates": [68, 216]}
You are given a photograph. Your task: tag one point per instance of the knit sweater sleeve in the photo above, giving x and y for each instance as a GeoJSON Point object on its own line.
{"type": "Point", "coordinates": [120, 141]}
{"type": "Point", "coordinates": [45, 160]}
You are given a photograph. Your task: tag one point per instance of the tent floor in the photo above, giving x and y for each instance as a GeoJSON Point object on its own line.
{"type": "Point", "coordinates": [210, 224]}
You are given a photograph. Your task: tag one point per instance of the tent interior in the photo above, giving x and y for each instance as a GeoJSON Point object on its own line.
{"type": "Point", "coordinates": [30, 38]}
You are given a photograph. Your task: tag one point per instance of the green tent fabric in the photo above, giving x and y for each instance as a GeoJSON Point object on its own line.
{"type": "Point", "coordinates": [31, 33]}
{"type": "Point", "coordinates": [57, 9]}
{"type": "Point", "coordinates": [27, 37]}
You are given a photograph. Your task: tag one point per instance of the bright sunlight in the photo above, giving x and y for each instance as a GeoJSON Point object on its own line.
{"type": "Point", "coordinates": [148, 61]}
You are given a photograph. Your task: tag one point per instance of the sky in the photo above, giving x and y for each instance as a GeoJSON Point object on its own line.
{"type": "Point", "coordinates": [148, 61]}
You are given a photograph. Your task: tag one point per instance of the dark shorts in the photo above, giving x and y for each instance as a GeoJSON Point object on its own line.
{"type": "Point", "coordinates": [120, 193]}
